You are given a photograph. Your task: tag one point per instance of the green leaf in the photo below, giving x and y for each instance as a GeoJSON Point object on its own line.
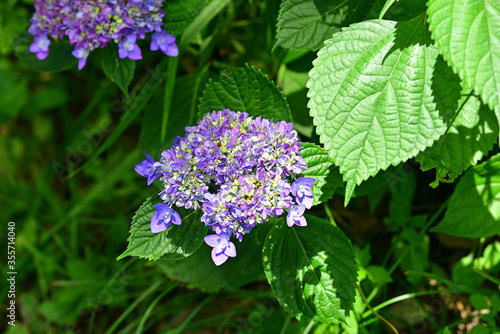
{"type": "Point", "coordinates": [179, 14]}
{"type": "Point", "coordinates": [468, 36]}
{"type": "Point", "coordinates": [402, 10]}
{"type": "Point", "coordinates": [247, 90]}
{"type": "Point", "coordinates": [120, 71]}
{"type": "Point", "coordinates": [59, 58]}
{"type": "Point", "coordinates": [311, 270]}
{"type": "Point", "coordinates": [470, 137]}
{"type": "Point", "coordinates": [491, 258]}
{"type": "Point", "coordinates": [320, 167]}
{"type": "Point", "coordinates": [187, 90]}
{"type": "Point", "coordinates": [463, 273]}
{"type": "Point", "coordinates": [306, 24]}
{"type": "Point", "coordinates": [176, 242]}
{"type": "Point", "coordinates": [474, 207]}
{"type": "Point", "coordinates": [200, 272]}
{"type": "Point", "coordinates": [386, 7]}
{"type": "Point", "coordinates": [371, 97]}
{"type": "Point", "coordinates": [401, 204]}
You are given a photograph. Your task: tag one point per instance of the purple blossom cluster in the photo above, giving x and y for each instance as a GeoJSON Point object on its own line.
{"type": "Point", "coordinates": [91, 24]}
{"type": "Point", "coordinates": [238, 171]}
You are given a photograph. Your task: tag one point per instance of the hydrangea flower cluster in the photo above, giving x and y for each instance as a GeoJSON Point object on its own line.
{"type": "Point", "coordinates": [91, 24]}
{"type": "Point", "coordinates": [238, 171]}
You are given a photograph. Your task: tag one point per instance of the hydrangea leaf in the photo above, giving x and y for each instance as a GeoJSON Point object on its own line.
{"type": "Point", "coordinates": [199, 271]}
{"type": "Point", "coordinates": [371, 97]}
{"type": "Point", "coordinates": [180, 13]}
{"type": "Point", "coordinates": [176, 242]}
{"type": "Point", "coordinates": [245, 89]}
{"type": "Point", "coordinates": [306, 24]}
{"type": "Point", "coordinates": [474, 207]}
{"type": "Point", "coordinates": [120, 71]}
{"type": "Point", "coordinates": [402, 10]}
{"type": "Point", "coordinates": [311, 270]}
{"type": "Point", "coordinates": [472, 134]}
{"type": "Point", "coordinates": [468, 36]}
{"type": "Point", "coordinates": [321, 167]}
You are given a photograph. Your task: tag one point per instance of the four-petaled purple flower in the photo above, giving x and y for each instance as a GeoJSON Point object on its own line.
{"type": "Point", "coordinates": [301, 190]}
{"type": "Point", "coordinates": [149, 168]}
{"type": "Point", "coordinates": [296, 216]}
{"type": "Point", "coordinates": [82, 55]}
{"type": "Point", "coordinates": [163, 216]}
{"type": "Point", "coordinates": [223, 248]}
{"type": "Point", "coordinates": [128, 48]}
{"type": "Point", "coordinates": [40, 46]}
{"type": "Point", "coordinates": [165, 42]}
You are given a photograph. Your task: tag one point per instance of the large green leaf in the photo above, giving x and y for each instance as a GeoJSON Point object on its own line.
{"type": "Point", "coordinates": [306, 24]}
{"type": "Point", "coordinates": [468, 36]}
{"type": "Point", "coordinates": [474, 208]}
{"type": "Point", "coordinates": [320, 167]}
{"type": "Point", "coordinates": [311, 269]}
{"type": "Point", "coordinates": [371, 96]}
{"type": "Point", "coordinates": [176, 242]}
{"type": "Point", "coordinates": [180, 13]}
{"type": "Point", "coordinates": [200, 272]}
{"type": "Point", "coordinates": [120, 71]}
{"type": "Point", "coordinates": [245, 89]}
{"type": "Point", "coordinates": [471, 135]}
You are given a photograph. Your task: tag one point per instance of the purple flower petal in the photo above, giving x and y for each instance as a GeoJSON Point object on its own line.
{"type": "Point", "coordinates": [212, 240]}
{"type": "Point", "coordinates": [218, 258]}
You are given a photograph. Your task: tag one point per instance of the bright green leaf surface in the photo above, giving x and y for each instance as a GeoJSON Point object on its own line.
{"type": "Point", "coordinates": [471, 135]}
{"type": "Point", "coordinates": [245, 89]}
{"type": "Point", "coordinates": [371, 97]}
{"type": "Point", "coordinates": [311, 269]}
{"type": "Point", "coordinates": [474, 208]}
{"type": "Point", "coordinates": [321, 167]}
{"type": "Point", "coordinates": [176, 242]}
{"type": "Point", "coordinates": [468, 36]}
{"type": "Point", "coordinates": [306, 24]}
{"type": "Point", "coordinates": [180, 13]}
{"type": "Point", "coordinates": [120, 71]}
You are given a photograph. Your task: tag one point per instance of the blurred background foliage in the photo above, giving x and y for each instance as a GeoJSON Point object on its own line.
{"type": "Point", "coordinates": [72, 199]}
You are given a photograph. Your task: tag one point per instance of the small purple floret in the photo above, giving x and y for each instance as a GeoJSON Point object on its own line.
{"type": "Point", "coordinates": [40, 46]}
{"type": "Point", "coordinates": [128, 48]}
{"type": "Point", "coordinates": [164, 42]}
{"type": "Point", "coordinates": [163, 216]}
{"type": "Point", "coordinates": [301, 190]}
{"type": "Point", "coordinates": [149, 168]}
{"type": "Point", "coordinates": [222, 247]}
{"type": "Point", "coordinates": [296, 216]}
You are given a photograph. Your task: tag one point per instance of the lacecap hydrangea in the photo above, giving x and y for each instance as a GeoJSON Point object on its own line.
{"type": "Point", "coordinates": [240, 171]}
{"type": "Point", "coordinates": [92, 24]}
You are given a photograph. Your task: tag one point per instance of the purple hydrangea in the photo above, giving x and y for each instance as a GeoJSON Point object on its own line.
{"type": "Point", "coordinates": [92, 24]}
{"type": "Point", "coordinates": [163, 216]}
{"type": "Point", "coordinates": [164, 42]}
{"type": "Point", "coordinates": [223, 248]}
{"type": "Point", "coordinates": [149, 168]}
{"type": "Point", "coordinates": [296, 216]}
{"type": "Point", "coordinates": [301, 190]}
{"type": "Point", "coordinates": [40, 46]}
{"type": "Point", "coordinates": [237, 170]}
{"type": "Point", "coordinates": [127, 48]}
